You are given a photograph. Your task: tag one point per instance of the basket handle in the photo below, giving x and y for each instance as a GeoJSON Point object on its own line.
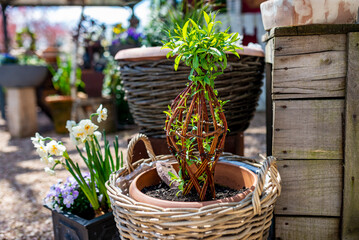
{"type": "Point", "coordinates": [131, 147]}
{"type": "Point", "coordinates": [269, 165]}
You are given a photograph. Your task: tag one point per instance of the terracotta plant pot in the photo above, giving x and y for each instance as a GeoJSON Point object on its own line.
{"type": "Point", "coordinates": [50, 55]}
{"type": "Point", "coordinates": [226, 174]}
{"type": "Point", "coordinates": [280, 13]}
{"type": "Point", "coordinates": [60, 108]}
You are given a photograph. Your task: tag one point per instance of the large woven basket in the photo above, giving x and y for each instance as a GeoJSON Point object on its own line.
{"type": "Point", "coordinates": [151, 84]}
{"type": "Point", "coordinates": [248, 219]}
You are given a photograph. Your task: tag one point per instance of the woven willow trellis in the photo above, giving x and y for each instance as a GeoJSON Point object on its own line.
{"type": "Point", "coordinates": [151, 85]}
{"type": "Point", "coordinates": [247, 219]}
{"type": "Point", "coordinates": [205, 129]}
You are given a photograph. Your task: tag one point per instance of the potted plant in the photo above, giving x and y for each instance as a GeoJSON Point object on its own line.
{"type": "Point", "coordinates": [196, 120]}
{"type": "Point", "coordinates": [80, 206]}
{"type": "Point", "coordinates": [61, 104]}
{"type": "Point", "coordinates": [196, 128]}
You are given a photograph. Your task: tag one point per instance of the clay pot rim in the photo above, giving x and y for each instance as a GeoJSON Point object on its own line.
{"type": "Point", "coordinates": [58, 98]}
{"type": "Point", "coordinates": [156, 53]}
{"type": "Point", "coordinates": [136, 194]}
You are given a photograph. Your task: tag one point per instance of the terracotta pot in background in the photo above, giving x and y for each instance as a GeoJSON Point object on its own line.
{"type": "Point", "coordinates": [226, 174]}
{"type": "Point", "coordinates": [60, 109]}
{"type": "Point", "coordinates": [50, 55]}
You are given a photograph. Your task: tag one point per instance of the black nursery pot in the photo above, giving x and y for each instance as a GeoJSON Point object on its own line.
{"type": "Point", "coordinates": [68, 226]}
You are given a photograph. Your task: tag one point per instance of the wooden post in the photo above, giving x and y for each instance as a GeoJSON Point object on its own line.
{"type": "Point", "coordinates": [21, 111]}
{"type": "Point", "coordinates": [350, 227]}
{"type": "Point", "coordinates": [4, 21]}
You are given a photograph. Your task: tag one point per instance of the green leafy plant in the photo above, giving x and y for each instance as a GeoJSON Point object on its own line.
{"type": "Point", "coordinates": [196, 121]}
{"type": "Point", "coordinates": [100, 163]}
{"type": "Point", "coordinates": [62, 75]}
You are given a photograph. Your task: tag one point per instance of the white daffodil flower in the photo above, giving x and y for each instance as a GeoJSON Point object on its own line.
{"type": "Point", "coordinates": [88, 127]}
{"type": "Point", "coordinates": [38, 139]}
{"type": "Point", "coordinates": [41, 150]}
{"type": "Point", "coordinates": [74, 140]}
{"type": "Point", "coordinates": [98, 135]}
{"type": "Point", "coordinates": [69, 125]}
{"type": "Point", "coordinates": [49, 171]}
{"type": "Point", "coordinates": [102, 113]}
{"type": "Point", "coordinates": [79, 133]}
{"type": "Point", "coordinates": [55, 148]}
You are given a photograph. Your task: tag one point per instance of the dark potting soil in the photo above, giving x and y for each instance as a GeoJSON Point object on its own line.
{"type": "Point", "coordinates": [162, 191]}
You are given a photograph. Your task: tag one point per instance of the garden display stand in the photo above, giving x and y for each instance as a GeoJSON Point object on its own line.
{"type": "Point", "coordinates": [247, 219]}
{"type": "Point", "coordinates": [313, 129]}
{"type": "Point", "coordinates": [20, 82]}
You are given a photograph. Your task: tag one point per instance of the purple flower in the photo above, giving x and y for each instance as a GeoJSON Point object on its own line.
{"type": "Point", "coordinates": [75, 193]}
{"type": "Point", "coordinates": [69, 200]}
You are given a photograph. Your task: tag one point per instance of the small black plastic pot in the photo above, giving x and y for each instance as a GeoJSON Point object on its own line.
{"type": "Point", "coordinates": [68, 226]}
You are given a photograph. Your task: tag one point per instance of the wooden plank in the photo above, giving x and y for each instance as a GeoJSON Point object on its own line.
{"type": "Point", "coordinates": [312, 29]}
{"type": "Point", "coordinates": [308, 129]}
{"type": "Point", "coordinates": [308, 228]}
{"type": "Point", "coordinates": [310, 187]}
{"type": "Point", "coordinates": [313, 66]}
{"type": "Point", "coordinates": [298, 89]}
{"type": "Point", "coordinates": [351, 157]}
{"type": "Point", "coordinates": [269, 108]}
{"type": "Point", "coordinates": [269, 51]}
{"type": "Point", "coordinates": [294, 45]}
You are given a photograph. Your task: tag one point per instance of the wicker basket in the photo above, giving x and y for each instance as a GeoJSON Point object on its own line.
{"type": "Point", "coordinates": [151, 84]}
{"type": "Point", "coordinates": [248, 219]}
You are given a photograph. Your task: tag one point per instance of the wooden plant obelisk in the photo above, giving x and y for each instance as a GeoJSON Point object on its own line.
{"type": "Point", "coordinates": [196, 126]}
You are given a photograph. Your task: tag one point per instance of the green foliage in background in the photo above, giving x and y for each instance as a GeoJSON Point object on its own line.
{"type": "Point", "coordinates": [165, 17]}
{"type": "Point", "coordinates": [61, 78]}
{"type": "Point", "coordinates": [113, 86]}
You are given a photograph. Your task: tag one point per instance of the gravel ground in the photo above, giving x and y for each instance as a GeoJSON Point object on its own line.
{"type": "Point", "coordinates": [23, 183]}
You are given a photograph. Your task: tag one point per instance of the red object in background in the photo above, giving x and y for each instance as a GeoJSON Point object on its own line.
{"type": "Point", "coordinates": [251, 6]}
{"type": "Point", "coordinates": [249, 38]}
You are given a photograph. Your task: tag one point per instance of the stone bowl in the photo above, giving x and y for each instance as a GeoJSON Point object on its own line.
{"type": "Point", "coordinates": [20, 76]}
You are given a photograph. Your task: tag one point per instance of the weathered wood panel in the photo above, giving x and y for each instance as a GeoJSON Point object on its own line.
{"type": "Point", "coordinates": [306, 129]}
{"type": "Point", "coordinates": [294, 45]}
{"type": "Point", "coordinates": [309, 66]}
{"type": "Point", "coordinates": [313, 66]}
{"type": "Point", "coordinates": [298, 89]}
{"type": "Point", "coordinates": [310, 187]}
{"type": "Point", "coordinates": [269, 51]}
{"type": "Point", "coordinates": [312, 29]}
{"type": "Point", "coordinates": [308, 228]}
{"type": "Point", "coordinates": [351, 157]}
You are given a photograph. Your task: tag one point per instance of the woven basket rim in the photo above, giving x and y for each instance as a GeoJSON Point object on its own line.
{"type": "Point", "coordinates": [248, 219]}
{"type": "Point", "coordinates": [156, 53]}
